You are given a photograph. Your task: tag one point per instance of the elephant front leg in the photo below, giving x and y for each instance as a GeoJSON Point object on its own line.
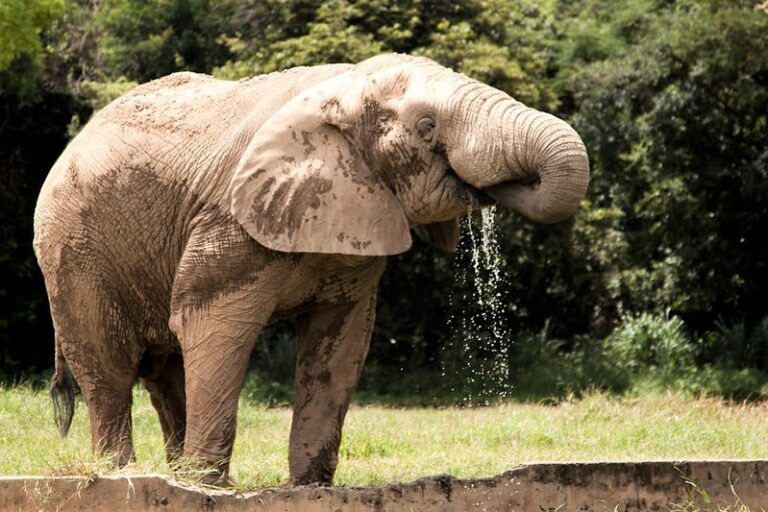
{"type": "Point", "coordinates": [331, 348]}
{"type": "Point", "coordinates": [216, 342]}
{"type": "Point", "coordinates": [224, 292]}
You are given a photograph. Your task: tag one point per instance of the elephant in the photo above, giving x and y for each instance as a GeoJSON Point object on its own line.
{"type": "Point", "coordinates": [191, 212]}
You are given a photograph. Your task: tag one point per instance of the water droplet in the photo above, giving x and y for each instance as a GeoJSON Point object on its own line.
{"type": "Point", "coordinates": [479, 348]}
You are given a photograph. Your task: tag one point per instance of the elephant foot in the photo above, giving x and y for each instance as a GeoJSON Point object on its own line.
{"type": "Point", "coordinates": [202, 473]}
{"type": "Point", "coordinates": [318, 471]}
{"type": "Point", "coordinates": [217, 479]}
{"type": "Point", "coordinates": [309, 482]}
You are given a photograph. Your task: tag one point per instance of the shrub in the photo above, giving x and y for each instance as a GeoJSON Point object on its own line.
{"type": "Point", "coordinates": [545, 367]}
{"type": "Point", "coordinates": [737, 346]}
{"type": "Point", "coordinates": [648, 342]}
{"type": "Point", "coordinates": [737, 384]}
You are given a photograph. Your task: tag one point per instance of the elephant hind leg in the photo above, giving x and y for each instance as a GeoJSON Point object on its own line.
{"type": "Point", "coordinates": [102, 351]}
{"type": "Point", "coordinates": [109, 410]}
{"type": "Point", "coordinates": [108, 400]}
{"type": "Point", "coordinates": [166, 391]}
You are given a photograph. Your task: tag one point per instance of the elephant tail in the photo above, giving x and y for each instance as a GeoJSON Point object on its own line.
{"type": "Point", "coordinates": [62, 393]}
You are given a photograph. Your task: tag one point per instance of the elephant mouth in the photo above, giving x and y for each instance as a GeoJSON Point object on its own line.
{"type": "Point", "coordinates": [496, 194]}
{"type": "Point", "coordinates": [483, 199]}
{"type": "Point", "coordinates": [476, 197]}
{"type": "Point", "coordinates": [501, 192]}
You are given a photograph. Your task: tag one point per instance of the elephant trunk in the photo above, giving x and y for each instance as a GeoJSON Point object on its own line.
{"type": "Point", "coordinates": [526, 160]}
{"type": "Point", "coordinates": [546, 164]}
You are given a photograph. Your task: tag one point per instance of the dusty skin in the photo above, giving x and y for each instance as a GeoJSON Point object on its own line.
{"type": "Point", "coordinates": [191, 212]}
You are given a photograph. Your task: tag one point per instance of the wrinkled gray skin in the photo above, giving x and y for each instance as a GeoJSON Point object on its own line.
{"type": "Point", "coordinates": [191, 212]}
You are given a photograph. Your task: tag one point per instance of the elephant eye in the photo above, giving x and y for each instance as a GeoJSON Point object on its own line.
{"type": "Point", "coordinates": [425, 127]}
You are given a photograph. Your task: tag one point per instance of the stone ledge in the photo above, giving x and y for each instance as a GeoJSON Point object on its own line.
{"type": "Point", "coordinates": [623, 486]}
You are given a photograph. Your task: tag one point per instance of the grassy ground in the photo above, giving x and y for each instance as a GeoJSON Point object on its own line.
{"type": "Point", "coordinates": [388, 444]}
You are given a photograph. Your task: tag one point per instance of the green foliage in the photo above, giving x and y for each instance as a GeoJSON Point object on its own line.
{"type": "Point", "coordinates": [676, 129]}
{"type": "Point", "coordinates": [20, 25]}
{"type": "Point", "coordinates": [146, 39]}
{"type": "Point", "coordinates": [21, 48]}
{"type": "Point", "coordinates": [737, 346]}
{"type": "Point", "coordinates": [652, 342]}
{"type": "Point", "coordinates": [551, 369]}
{"type": "Point", "coordinates": [330, 37]}
{"type": "Point", "coordinates": [737, 384]}
{"type": "Point", "coordinates": [600, 30]}
{"type": "Point", "coordinates": [480, 38]}
{"type": "Point", "coordinates": [98, 94]}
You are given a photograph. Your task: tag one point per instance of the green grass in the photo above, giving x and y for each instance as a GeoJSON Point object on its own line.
{"type": "Point", "coordinates": [384, 444]}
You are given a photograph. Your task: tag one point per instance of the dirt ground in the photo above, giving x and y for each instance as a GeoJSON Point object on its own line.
{"type": "Point", "coordinates": [623, 486]}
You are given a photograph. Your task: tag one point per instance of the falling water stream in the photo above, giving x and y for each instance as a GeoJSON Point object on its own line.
{"type": "Point", "coordinates": [480, 346]}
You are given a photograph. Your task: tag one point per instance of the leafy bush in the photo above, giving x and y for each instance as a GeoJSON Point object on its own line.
{"type": "Point", "coordinates": [693, 210]}
{"type": "Point", "coordinates": [650, 342]}
{"type": "Point", "coordinates": [546, 368]}
{"type": "Point", "coordinates": [737, 384]}
{"type": "Point", "coordinates": [737, 346]}
{"type": "Point", "coordinates": [273, 363]}
{"type": "Point", "coordinates": [272, 393]}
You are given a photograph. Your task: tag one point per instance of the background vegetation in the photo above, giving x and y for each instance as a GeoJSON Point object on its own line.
{"type": "Point", "coordinates": [659, 280]}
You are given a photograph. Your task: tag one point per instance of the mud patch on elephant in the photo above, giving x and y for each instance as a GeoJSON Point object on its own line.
{"type": "Point", "coordinates": [319, 335]}
{"type": "Point", "coordinates": [130, 267]}
{"type": "Point", "coordinates": [280, 198]}
{"type": "Point", "coordinates": [374, 122]}
{"type": "Point", "coordinates": [282, 212]}
{"type": "Point", "coordinates": [332, 111]}
{"type": "Point", "coordinates": [324, 378]}
{"type": "Point", "coordinates": [321, 467]}
{"type": "Point", "coordinates": [306, 140]}
{"type": "Point", "coordinates": [390, 147]}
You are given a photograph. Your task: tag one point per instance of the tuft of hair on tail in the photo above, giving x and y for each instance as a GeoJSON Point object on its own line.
{"type": "Point", "coordinates": [62, 394]}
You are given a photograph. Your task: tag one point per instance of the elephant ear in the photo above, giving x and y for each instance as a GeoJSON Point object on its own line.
{"type": "Point", "coordinates": [303, 186]}
{"type": "Point", "coordinates": [443, 235]}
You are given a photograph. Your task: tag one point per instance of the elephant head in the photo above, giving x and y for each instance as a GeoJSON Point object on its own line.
{"type": "Point", "coordinates": [349, 165]}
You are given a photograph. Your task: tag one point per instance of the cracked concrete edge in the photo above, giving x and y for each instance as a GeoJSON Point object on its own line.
{"type": "Point", "coordinates": [594, 486]}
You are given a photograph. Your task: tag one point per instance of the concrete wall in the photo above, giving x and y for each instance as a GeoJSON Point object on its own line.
{"type": "Point", "coordinates": [534, 488]}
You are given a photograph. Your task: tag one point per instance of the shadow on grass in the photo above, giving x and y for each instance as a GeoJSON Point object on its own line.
{"type": "Point", "coordinates": [431, 389]}
{"type": "Point", "coordinates": [564, 377]}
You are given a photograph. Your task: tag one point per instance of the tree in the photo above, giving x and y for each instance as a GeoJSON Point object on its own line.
{"type": "Point", "coordinates": [21, 49]}
{"type": "Point", "coordinates": [676, 128]}
{"type": "Point", "coordinates": [146, 39]}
